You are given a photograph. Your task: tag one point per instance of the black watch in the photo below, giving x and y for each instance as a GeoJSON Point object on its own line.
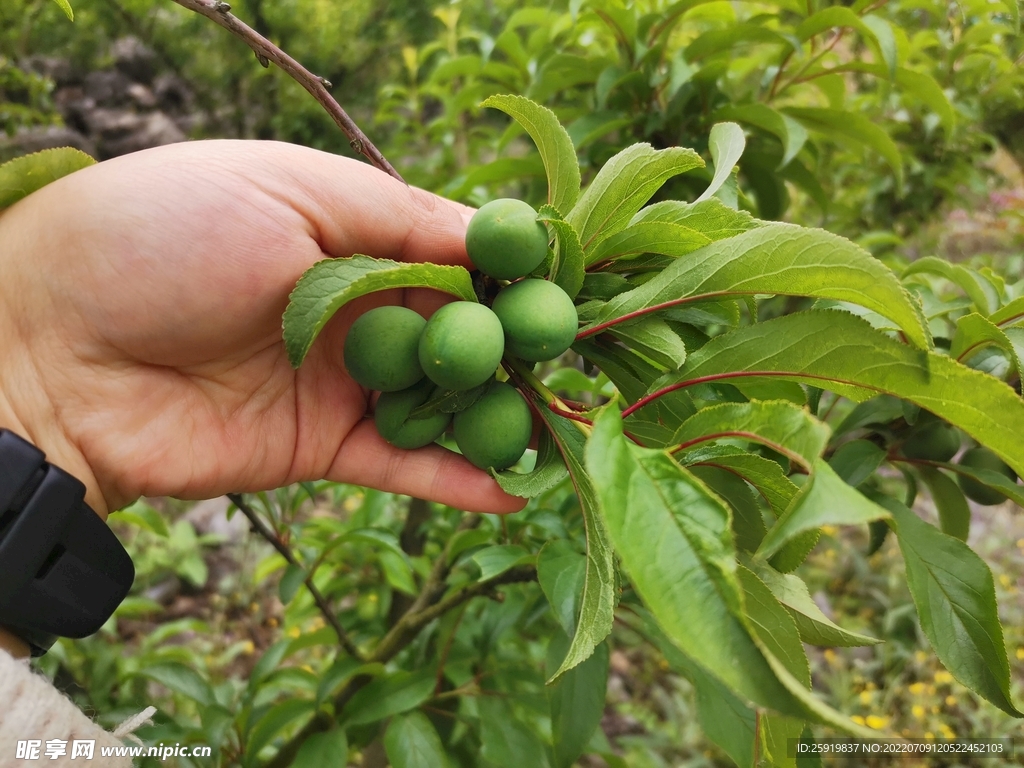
{"type": "Point", "coordinates": [62, 570]}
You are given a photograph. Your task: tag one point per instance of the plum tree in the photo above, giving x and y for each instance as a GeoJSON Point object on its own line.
{"type": "Point", "coordinates": [983, 458]}
{"type": "Point", "coordinates": [538, 317]}
{"type": "Point", "coordinates": [495, 431]}
{"type": "Point", "coordinates": [381, 349]}
{"type": "Point", "coordinates": [392, 417]}
{"type": "Point", "coordinates": [505, 240]}
{"type": "Point", "coordinates": [461, 345]}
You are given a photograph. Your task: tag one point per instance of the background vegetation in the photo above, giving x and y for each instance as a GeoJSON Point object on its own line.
{"type": "Point", "coordinates": [894, 123]}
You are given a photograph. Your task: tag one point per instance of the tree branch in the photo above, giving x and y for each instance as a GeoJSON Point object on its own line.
{"type": "Point", "coordinates": [266, 52]}
{"type": "Point", "coordinates": [321, 602]}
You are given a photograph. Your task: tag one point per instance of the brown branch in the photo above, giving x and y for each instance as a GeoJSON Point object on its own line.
{"type": "Point", "coordinates": [266, 52]}
{"type": "Point", "coordinates": [321, 602]}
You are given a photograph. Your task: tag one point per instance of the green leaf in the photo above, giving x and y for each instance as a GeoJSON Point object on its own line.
{"type": "Point", "coordinates": [995, 480]}
{"type": "Point", "coordinates": [180, 679]}
{"type": "Point", "coordinates": [398, 572]}
{"type": "Point", "coordinates": [292, 579]}
{"type": "Point", "coordinates": [764, 474]}
{"type": "Point", "coordinates": [747, 522]}
{"type": "Point", "coordinates": [392, 695]}
{"type": "Point", "coordinates": [855, 127]}
{"type": "Point", "coordinates": [561, 571]}
{"type": "Point", "coordinates": [1011, 313]}
{"type": "Point", "coordinates": [653, 338]}
{"type": "Point", "coordinates": [856, 461]}
{"type": "Point", "coordinates": [788, 131]}
{"type": "Point", "coordinates": [782, 426]}
{"type": "Point", "coordinates": [600, 586]}
{"type": "Point", "coordinates": [824, 500]}
{"type": "Point", "coordinates": [494, 561]}
{"type": "Point", "coordinates": [268, 662]}
{"type": "Point", "coordinates": [65, 6]}
{"type": "Point", "coordinates": [857, 361]}
{"type": "Point", "coordinates": [553, 143]}
{"type": "Point", "coordinates": [777, 259]}
{"type": "Point", "coordinates": [661, 237]}
{"type": "Point", "coordinates": [326, 749]}
{"type": "Point", "coordinates": [978, 289]}
{"type": "Point", "coordinates": [726, 143]}
{"type": "Point", "coordinates": [622, 186]}
{"type": "Point", "coordinates": [956, 602]}
{"type": "Point", "coordinates": [567, 269]}
{"type": "Point", "coordinates": [548, 472]}
{"type": "Point", "coordinates": [814, 626]}
{"type": "Point", "coordinates": [330, 284]}
{"type": "Point", "coordinates": [22, 176]}
{"type": "Point", "coordinates": [411, 741]}
{"type": "Point", "coordinates": [974, 333]}
{"type": "Point", "coordinates": [718, 40]}
{"type": "Point", "coordinates": [506, 741]}
{"type": "Point", "coordinates": [141, 515]}
{"type": "Point", "coordinates": [576, 701]}
{"type": "Point", "coordinates": [885, 39]}
{"type": "Point", "coordinates": [448, 401]}
{"type": "Point", "coordinates": [827, 18]}
{"type": "Point", "coordinates": [954, 513]}
{"type": "Point", "coordinates": [711, 218]}
{"type": "Point", "coordinates": [274, 720]}
{"type": "Point", "coordinates": [773, 626]}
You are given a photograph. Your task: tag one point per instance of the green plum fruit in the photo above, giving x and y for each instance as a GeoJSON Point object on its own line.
{"type": "Point", "coordinates": [495, 431]}
{"type": "Point", "coordinates": [392, 417]}
{"type": "Point", "coordinates": [932, 441]}
{"type": "Point", "coordinates": [983, 458]}
{"type": "Point", "coordinates": [461, 345]}
{"type": "Point", "coordinates": [505, 240]}
{"type": "Point", "coordinates": [538, 317]}
{"type": "Point", "coordinates": [382, 349]}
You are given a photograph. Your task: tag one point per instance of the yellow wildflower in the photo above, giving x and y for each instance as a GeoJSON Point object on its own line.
{"type": "Point", "coordinates": [942, 677]}
{"type": "Point", "coordinates": [1020, 653]}
{"type": "Point", "coordinates": [1005, 580]}
{"type": "Point", "coordinates": [876, 722]}
{"type": "Point", "coordinates": [947, 732]}
{"type": "Point", "coordinates": [248, 648]}
{"type": "Point", "coordinates": [921, 656]}
{"type": "Point", "coordinates": [857, 719]}
{"type": "Point", "coordinates": [917, 688]}
{"type": "Point", "coordinates": [865, 697]}
{"type": "Point", "coordinates": [830, 656]}
{"type": "Point", "coordinates": [294, 632]}
{"type": "Point", "coordinates": [917, 711]}
{"type": "Point", "coordinates": [951, 701]}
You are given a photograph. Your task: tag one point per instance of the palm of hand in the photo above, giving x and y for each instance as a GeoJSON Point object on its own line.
{"type": "Point", "coordinates": [150, 313]}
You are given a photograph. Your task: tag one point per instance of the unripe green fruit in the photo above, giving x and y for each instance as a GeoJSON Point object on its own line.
{"type": "Point", "coordinates": [934, 441]}
{"type": "Point", "coordinates": [539, 319]}
{"type": "Point", "coordinates": [983, 458]}
{"type": "Point", "coordinates": [505, 240]}
{"type": "Point", "coordinates": [392, 417]}
{"type": "Point", "coordinates": [495, 430]}
{"type": "Point", "coordinates": [382, 349]}
{"type": "Point", "coordinates": [462, 345]}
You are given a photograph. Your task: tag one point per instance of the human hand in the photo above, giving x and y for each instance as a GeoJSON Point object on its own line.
{"type": "Point", "coordinates": [140, 324]}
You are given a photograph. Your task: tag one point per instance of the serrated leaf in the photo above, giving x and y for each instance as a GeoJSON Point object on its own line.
{"type": "Point", "coordinates": [827, 18]}
{"type": "Point", "coordinates": [996, 480]}
{"type": "Point", "coordinates": [788, 131]}
{"type": "Point", "coordinates": [856, 461]}
{"type": "Point", "coordinates": [553, 143]}
{"type": "Point", "coordinates": [747, 523]}
{"type": "Point", "coordinates": [65, 6]}
{"type": "Point", "coordinates": [726, 144]}
{"type": "Point", "coordinates": [494, 561]}
{"type": "Point", "coordinates": [777, 259]}
{"type": "Point", "coordinates": [505, 741]}
{"type": "Point", "coordinates": [567, 268]}
{"type": "Point", "coordinates": [654, 339]}
{"type": "Point", "coordinates": [548, 472]}
{"type": "Point", "coordinates": [330, 284]}
{"type": "Point", "coordinates": [950, 503]}
{"type": "Point", "coordinates": [784, 427]}
{"type": "Point", "coordinates": [824, 500]}
{"type": "Point", "coordinates": [22, 176]}
{"type": "Point", "coordinates": [449, 401]}
{"type": "Point", "coordinates": [576, 701]}
{"type": "Point", "coordinates": [855, 127]}
{"type": "Point", "coordinates": [814, 626]}
{"type": "Point", "coordinates": [600, 586]}
{"type": "Point", "coordinates": [561, 571]}
{"type": "Point", "coordinates": [856, 360]}
{"type": "Point", "coordinates": [711, 218]}
{"type": "Point", "coordinates": [411, 741]}
{"type": "Point", "coordinates": [622, 186]}
{"type": "Point", "coordinates": [1011, 313]}
{"type": "Point", "coordinates": [661, 237]}
{"type": "Point", "coordinates": [974, 333]}
{"type": "Point", "coordinates": [977, 288]}
{"type": "Point", "coordinates": [956, 602]}
{"type": "Point", "coordinates": [180, 679]}
{"type": "Point", "coordinates": [773, 626]}
{"type": "Point", "coordinates": [392, 695]}
{"type": "Point", "coordinates": [764, 474]}
{"type": "Point", "coordinates": [328, 749]}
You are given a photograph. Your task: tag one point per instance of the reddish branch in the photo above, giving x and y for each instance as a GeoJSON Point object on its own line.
{"type": "Point", "coordinates": [266, 52]}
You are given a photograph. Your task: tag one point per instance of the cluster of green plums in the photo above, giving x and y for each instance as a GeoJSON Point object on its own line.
{"type": "Point", "coordinates": [414, 362]}
{"type": "Point", "coordinates": [932, 439]}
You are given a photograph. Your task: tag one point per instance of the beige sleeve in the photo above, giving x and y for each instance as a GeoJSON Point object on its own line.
{"type": "Point", "coordinates": [31, 708]}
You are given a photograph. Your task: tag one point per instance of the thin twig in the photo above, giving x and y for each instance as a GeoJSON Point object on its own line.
{"type": "Point", "coordinates": [266, 52]}
{"type": "Point", "coordinates": [321, 602]}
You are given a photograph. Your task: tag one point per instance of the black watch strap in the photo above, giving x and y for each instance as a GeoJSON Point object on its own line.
{"type": "Point", "coordinates": [62, 570]}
